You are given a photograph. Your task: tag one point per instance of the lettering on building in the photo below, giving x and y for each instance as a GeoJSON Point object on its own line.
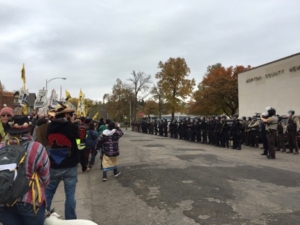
{"type": "Point", "coordinates": [294, 68]}
{"type": "Point", "coordinates": [269, 75]}
{"type": "Point", "coordinates": [253, 79]}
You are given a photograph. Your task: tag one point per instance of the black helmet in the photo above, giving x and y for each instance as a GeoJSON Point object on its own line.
{"type": "Point", "coordinates": [244, 117]}
{"type": "Point", "coordinates": [291, 112]}
{"type": "Point", "coordinates": [271, 111]}
{"type": "Point", "coordinates": [249, 118]}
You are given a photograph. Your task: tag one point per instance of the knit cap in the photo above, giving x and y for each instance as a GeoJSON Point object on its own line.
{"type": "Point", "coordinates": [7, 111]}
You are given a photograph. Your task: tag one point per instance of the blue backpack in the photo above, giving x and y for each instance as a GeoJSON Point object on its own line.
{"type": "Point", "coordinates": [91, 139]}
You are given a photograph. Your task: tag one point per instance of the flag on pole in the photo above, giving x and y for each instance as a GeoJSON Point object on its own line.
{"type": "Point", "coordinates": [80, 104]}
{"type": "Point", "coordinates": [96, 116]}
{"type": "Point", "coordinates": [68, 95]}
{"type": "Point", "coordinates": [23, 74]}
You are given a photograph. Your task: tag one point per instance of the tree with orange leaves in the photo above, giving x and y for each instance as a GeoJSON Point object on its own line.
{"type": "Point", "coordinates": [218, 91]}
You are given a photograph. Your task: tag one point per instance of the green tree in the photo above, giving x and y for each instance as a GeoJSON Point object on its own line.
{"type": "Point", "coordinates": [118, 102]}
{"type": "Point", "coordinates": [150, 108]}
{"type": "Point", "coordinates": [158, 95]}
{"type": "Point", "coordinates": [174, 83]}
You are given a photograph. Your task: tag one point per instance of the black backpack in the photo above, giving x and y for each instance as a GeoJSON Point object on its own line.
{"type": "Point", "coordinates": [13, 180]}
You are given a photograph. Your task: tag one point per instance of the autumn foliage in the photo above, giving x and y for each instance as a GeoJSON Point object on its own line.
{"type": "Point", "coordinates": [174, 83]}
{"type": "Point", "coordinates": [218, 91]}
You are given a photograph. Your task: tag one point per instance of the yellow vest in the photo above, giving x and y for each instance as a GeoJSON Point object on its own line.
{"type": "Point", "coordinates": [80, 146]}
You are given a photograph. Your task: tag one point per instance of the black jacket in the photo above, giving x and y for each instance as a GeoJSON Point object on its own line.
{"type": "Point", "coordinates": [62, 137]}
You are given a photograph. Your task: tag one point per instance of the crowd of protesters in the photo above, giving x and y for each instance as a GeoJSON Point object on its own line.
{"type": "Point", "coordinates": [58, 143]}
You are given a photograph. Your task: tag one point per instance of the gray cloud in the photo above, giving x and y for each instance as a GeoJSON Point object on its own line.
{"type": "Point", "coordinates": [92, 43]}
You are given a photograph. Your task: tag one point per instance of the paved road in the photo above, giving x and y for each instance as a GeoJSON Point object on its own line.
{"type": "Point", "coordinates": [167, 181]}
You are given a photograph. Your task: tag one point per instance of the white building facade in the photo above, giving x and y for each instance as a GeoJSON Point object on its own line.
{"type": "Point", "coordinates": [275, 84]}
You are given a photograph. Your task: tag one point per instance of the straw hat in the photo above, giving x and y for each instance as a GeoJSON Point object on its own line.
{"type": "Point", "coordinates": [61, 108]}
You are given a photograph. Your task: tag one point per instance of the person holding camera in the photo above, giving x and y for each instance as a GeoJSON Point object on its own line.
{"type": "Point", "coordinates": [271, 130]}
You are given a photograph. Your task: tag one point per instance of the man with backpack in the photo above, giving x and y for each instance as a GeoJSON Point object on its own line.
{"type": "Point", "coordinates": [81, 145]}
{"type": "Point", "coordinates": [24, 174]}
{"type": "Point", "coordinates": [64, 156]}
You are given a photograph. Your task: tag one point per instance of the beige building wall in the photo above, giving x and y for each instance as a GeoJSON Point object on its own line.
{"type": "Point", "coordinates": [275, 84]}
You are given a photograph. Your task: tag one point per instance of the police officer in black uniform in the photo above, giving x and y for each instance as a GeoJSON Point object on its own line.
{"type": "Point", "coordinates": [204, 130]}
{"type": "Point", "coordinates": [236, 131]}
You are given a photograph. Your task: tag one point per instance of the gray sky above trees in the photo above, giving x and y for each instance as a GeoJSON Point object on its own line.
{"type": "Point", "coordinates": [92, 43]}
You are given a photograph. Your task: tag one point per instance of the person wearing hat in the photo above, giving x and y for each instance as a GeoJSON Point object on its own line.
{"type": "Point", "coordinates": [109, 142]}
{"type": "Point", "coordinates": [36, 162]}
{"type": "Point", "coordinates": [64, 156]}
{"type": "Point", "coordinates": [6, 114]}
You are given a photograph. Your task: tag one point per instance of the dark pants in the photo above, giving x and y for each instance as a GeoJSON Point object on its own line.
{"type": "Point", "coordinates": [236, 140]}
{"type": "Point", "coordinates": [271, 136]}
{"type": "Point", "coordinates": [204, 137]}
{"type": "Point", "coordinates": [253, 138]}
{"type": "Point", "coordinates": [292, 141]}
{"type": "Point", "coordinates": [93, 156]}
{"type": "Point", "coordinates": [105, 173]}
{"type": "Point", "coordinates": [83, 160]}
{"type": "Point", "coordinates": [224, 140]}
{"type": "Point", "coordinates": [22, 214]}
{"type": "Point", "coordinates": [280, 142]}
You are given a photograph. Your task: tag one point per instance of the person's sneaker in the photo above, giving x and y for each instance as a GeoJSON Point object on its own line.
{"type": "Point", "coordinates": [104, 179]}
{"type": "Point", "coordinates": [87, 170]}
{"type": "Point", "coordinates": [118, 174]}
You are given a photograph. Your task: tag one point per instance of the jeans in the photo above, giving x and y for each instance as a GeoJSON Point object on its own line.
{"type": "Point", "coordinates": [22, 214]}
{"type": "Point", "coordinates": [93, 156]}
{"type": "Point", "coordinates": [69, 176]}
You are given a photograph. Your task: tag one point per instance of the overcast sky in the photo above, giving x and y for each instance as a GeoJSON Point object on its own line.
{"type": "Point", "coordinates": [94, 42]}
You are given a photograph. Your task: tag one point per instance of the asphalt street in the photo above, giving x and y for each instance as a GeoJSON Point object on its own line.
{"type": "Point", "coordinates": [175, 182]}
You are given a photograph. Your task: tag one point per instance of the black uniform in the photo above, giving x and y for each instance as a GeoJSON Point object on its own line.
{"type": "Point", "coordinates": [236, 131]}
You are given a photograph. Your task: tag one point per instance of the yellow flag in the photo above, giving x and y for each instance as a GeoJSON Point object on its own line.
{"type": "Point", "coordinates": [23, 74]}
{"type": "Point", "coordinates": [96, 116]}
{"type": "Point", "coordinates": [80, 94]}
{"type": "Point", "coordinates": [80, 106]}
{"type": "Point", "coordinates": [68, 95]}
